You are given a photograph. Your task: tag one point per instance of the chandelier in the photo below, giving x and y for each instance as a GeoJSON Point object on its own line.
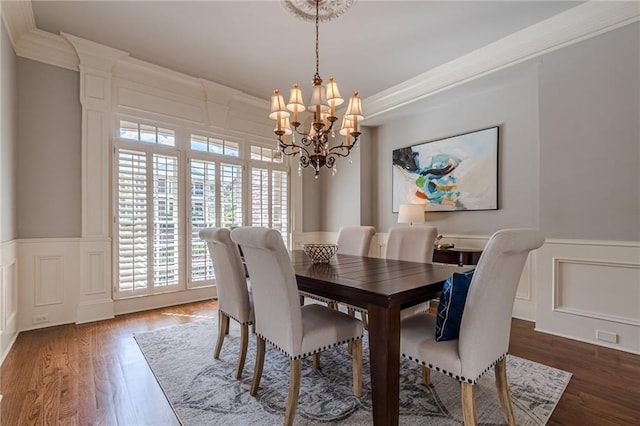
{"type": "Point", "coordinates": [314, 145]}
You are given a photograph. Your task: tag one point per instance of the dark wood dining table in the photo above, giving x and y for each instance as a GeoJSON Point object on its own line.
{"type": "Point", "coordinates": [383, 287]}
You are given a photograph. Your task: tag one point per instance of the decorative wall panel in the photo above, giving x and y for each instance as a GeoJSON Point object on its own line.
{"type": "Point", "coordinates": [49, 280]}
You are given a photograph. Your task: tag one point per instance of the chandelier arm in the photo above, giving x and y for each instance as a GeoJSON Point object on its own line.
{"type": "Point", "coordinates": [342, 150]}
{"type": "Point", "coordinates": [331, 160]}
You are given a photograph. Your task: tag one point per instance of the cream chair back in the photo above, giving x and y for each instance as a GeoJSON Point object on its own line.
{"type": "Point", "coordinates": [486, 321]}
{"type": "Point", "coordinates": [355, 240]}
{"type": "Point", "coordinates": [413, 244]}
{"type": "Point", "coordinates": [231, 282]}
{"type": "Point", "coordinates": [274, 287]}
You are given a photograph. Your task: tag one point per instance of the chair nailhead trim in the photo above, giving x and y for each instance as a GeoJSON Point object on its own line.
{"type": "Point", "coordinates": [458, 378]}
{"type": "Point", "coordinates": [316, 351]}
{"type": "Point", "coordinates": [236, 319]}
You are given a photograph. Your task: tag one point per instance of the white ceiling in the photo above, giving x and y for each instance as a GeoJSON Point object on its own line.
{"type": "Point", "coordinates": [256, 46]}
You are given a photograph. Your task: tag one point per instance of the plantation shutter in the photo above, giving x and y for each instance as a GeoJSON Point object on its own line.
{"type": "Point", "coordinates": [132, 221]}
{"type": "Point", "coordinates": [166, 254]}
{"type": "Point", "coordinates": [269, 201]}
{"type": "Point", "coordinates": [230, 195]}
{"type": "Point", "coordinates": [203, 215]}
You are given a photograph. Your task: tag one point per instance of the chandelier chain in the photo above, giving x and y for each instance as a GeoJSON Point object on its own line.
{"type": "Point", "coordinates": [317, 39]}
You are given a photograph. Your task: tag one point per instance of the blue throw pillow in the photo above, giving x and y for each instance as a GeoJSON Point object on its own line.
{"type": "Point", "coordinates": [451, 306]}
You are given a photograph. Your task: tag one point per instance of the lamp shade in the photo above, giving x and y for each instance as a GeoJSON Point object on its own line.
{"type": "Point", "coordinates": [333, 94]}
{"type": "Point", "coordinates": [411, 213]}
{"type": "Point", "coordinates": [278, 107]}
{"type": "Point", "coordinates": [295, 99]}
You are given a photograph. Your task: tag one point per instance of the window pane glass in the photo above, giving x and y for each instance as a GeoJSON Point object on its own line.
{"type": "Point", "coordinates": [147, 133]}
{"type": "Point", "coordinates": [216, 146]}
{"type": "Point", "coordinates": [198, 143]}
{"type": "Point", "coordinates": [267, 154]}
{"type": "Point", "coordinates": [259, 197]}
{"type": "Point", "coordinates": [129, 130]}
{"type": "Point", "coordinates": [256, 152]}
{"type": "Point", "coordinates": [166, 256]}
{"type": "Point", "coordinates": [278, 157]}
{"type": "Point", "coordinates": [230, 195]}
{"type": "Point", "coordinates": [166, 137]}
{"type": "Point", "coordinates": [132, 220]}
{"type": "Point", "coordinates": [203, 215]}
{"type": "Point", "coordinates": [232, 149]}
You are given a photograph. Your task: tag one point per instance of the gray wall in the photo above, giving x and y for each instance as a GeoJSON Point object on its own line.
{"type": "Point", "coordinates": [48, 152]}
{"type": "Point", "coordinates": [343, 199]}
{"type": "Point", "coordinates": [312, 198]}
{"type": "Point", "coordinates": [508, 99]}
{"type": "Point", "coordinates": [8, 138]}
{"type": "Point", "coordinates": [569, 143]}
{"type": "Point", "coordinates": [590, 140]}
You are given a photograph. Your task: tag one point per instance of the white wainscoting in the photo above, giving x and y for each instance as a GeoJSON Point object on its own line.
{"type": "Point", "coordinates": [49, 282]}
{"type": "Point", "coordinates": [8, 297]}
{"type": "Point", "coordinates": [590, 288]}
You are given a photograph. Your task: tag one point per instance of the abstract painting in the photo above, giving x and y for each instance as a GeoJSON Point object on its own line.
{"type": "Point", "coordinates": [456, 173]}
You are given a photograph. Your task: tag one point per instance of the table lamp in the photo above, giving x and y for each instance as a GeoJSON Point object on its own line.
{"type": "Point", "coordinates": [411, 214]}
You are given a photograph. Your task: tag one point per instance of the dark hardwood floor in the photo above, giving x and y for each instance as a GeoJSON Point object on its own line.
{"type": "Point", "coordinates": [94, 374]}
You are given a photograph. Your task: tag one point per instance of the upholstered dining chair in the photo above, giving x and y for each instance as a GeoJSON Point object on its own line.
{"type": "Point", "coordinates": [234, 298]}
{"type": "Point", "coordinates": [413, 244]}
{"type": "Point", "coordinates": [298, 331]}
{"type": "Point", "coordinates": [355, 240]}
{"type": "Point", "coordinates": [486, 322]}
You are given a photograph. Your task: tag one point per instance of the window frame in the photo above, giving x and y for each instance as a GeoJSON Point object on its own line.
{"type": "Point", "coordinates": [182, 151]}
{"type": "Point", "coordinates": [148, 150]}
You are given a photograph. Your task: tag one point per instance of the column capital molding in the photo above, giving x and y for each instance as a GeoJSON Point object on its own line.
{"type": "Point", "coordinates": [95, 55]}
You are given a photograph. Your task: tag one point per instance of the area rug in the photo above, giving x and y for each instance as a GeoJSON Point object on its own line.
{"type": "Point", "coordinates": [203, 391]}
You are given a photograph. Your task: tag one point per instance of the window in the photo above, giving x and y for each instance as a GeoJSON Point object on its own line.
{"type": "Point", "coordinates": [215, 145]}
{"type": "Point", "coordinates": [147, 133]}
{"type": "Point", "coordinates": [168, 188]}
{"type": "Point", "coordinates": [212, 205]}
{"type": "Point", "coordinates": [269, 193]}
{"type": "Point", "coordinates": [148, 222]}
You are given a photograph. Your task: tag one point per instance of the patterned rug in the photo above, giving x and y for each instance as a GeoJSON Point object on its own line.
{"type": "Point", "coordinates": [202, 391]}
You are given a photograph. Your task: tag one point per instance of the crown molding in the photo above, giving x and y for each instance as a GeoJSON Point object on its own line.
{"type": "Point", "coordinates": [18, 19]}
{"type": "Point", "coordinates": [49, 48]}
{"type": "Point", "coordinates": [576, 24]}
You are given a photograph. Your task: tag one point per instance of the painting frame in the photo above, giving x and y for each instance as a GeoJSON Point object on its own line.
{"type": "Point", "coordinates": [456, 173]}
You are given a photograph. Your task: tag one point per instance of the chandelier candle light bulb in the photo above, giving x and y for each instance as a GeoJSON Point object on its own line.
{"type": "Point", "coordinates": [314, 148]}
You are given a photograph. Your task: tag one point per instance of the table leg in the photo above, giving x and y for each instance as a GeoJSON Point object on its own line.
{"type": "Point", "coordinates": [384, 358]}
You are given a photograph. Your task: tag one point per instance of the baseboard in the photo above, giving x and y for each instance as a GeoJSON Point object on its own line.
{"type": "Point", "coordinates": [578, 339]}
{"type": "Point", "coordinates": [8, 349]}
{"type": "Point", "coordinates": [147, 303]}
{"type": "Point", "coordinates": [94, 310]}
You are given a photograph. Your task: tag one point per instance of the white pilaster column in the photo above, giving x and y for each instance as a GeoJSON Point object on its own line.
{"type": "Point", "coordinates": [96, 64]}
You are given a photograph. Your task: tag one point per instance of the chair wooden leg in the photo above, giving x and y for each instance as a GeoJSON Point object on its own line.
{"type": "Point", "coordinates": [223, 323]}
{"type": "Point", "coordinates": [365, 322]}
{"type": "Point", "coordinates": [356, 361]}
{"type": "Point", "coordinates": [426, 376]}
{"type": "Point", "coordinates": [316, 361]}
{"type": "Point", "coordinates": [468, 405]}
{"type": "Point", "coordinates": [503, 392]}
{"type": "Point", "coordinates": [294, 391]}
{"type": "Point", "coordinates": [257, 371]}
{"type": "Point", "coordinates": [244, 342]}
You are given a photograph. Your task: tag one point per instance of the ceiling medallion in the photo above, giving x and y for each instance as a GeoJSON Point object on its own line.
{"type": "Point", "coordinates": [306, 9]}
